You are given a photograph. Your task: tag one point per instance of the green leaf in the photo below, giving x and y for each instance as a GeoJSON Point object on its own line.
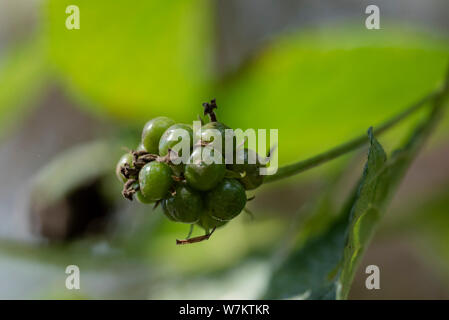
{"type": "Point", "coordinates": [322, 87]}
{"type": "Point", "coordinates": [323, 268]}
{"type": "Point", "coordinates": [365, 212]}
{"type": "Point", "coordinates": [22, 75]}
{"type": "Point", "coordinates": [134, 61]}
{"type": "Point", "coordinates": [373, 196]}
{"type": "Point", "coordinates": [307, 273]}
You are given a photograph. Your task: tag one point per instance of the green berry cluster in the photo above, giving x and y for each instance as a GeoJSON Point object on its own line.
{"type": "Point", "coordinates": [201, 191]}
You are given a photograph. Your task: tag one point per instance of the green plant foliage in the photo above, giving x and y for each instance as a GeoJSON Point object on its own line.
{"type": "Point", "coordinates": [366, 210]}
{"type": "Point", "coordinates": [324, 267]}
{"type": "Point", "coordinates": [321, 87]}
{"type": "Point", "coordinates": [134, 61]}
{"type": "Point", "coordinates": [22, 70]}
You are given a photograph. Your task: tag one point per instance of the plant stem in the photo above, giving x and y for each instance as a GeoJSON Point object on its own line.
{"type": "Point", "coordinates": [300, 166]}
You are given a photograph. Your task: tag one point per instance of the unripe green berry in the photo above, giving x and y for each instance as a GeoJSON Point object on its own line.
{"type": "Point", "coordinates": [207, 222]}
{"type": "Point", "coordinates": [251, 176]}
{"type": "Point", "coordinates": [155, 180]}
{"type": "Point", "coordinates": [184, 206]}
{"type": "Point", "coordinates": [226, 200]}
{"type": "Point", "coordinates": [142, 199]}
{"type": "Point", "coordinates": [152, 132]}
{"type": "Point", "coordinates": [170, 138]}
{"type": "Point", "coordinates": [205, 135]}
{"type": "Point", "coordinates": [203, 173]}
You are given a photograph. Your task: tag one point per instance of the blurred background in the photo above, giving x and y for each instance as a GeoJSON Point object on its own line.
{"type": "Point", "coordinates": [71, 100]}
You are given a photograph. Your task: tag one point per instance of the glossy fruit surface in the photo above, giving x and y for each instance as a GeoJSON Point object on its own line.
{"type": "Point", "coordinates": [171, 137]}
{"type": "Point", "coordinates": [152, 132]}
{"type": "Point", "coordinates": [166, 212]}
{"type": "Point", "coordinates": [126, 158]}
{"type": "Point", "coordinates": [184, 206]}
{"type": "Point", "coordinates": [202, 173]}
{"type": "Point", "coordinates": [155, 180]}
{"type": "Point", "coordinates": [208, 223]}
{"type": "Point", "coordinates": [206, 136]}
{"type": "Point", "coordinates": [251, 178]}
{"type": "Point", "coordinates": [140, 147]}
{"type": "Point", "coordinates": [226, 200]}
{"type": "Point", "coordinates": [142, 199]}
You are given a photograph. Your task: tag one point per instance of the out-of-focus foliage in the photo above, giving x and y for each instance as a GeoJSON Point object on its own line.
{"type": "Point", "coordinates": [135, 61]}
{"type": "Point", "coordinates": [226, 248]}
{"type": "Point", "coordinates": [324, 267]}
{"type": "Point", "coordinates": [426, 225]}
{"type": "Point", "coordinates": [22, 76]}
{"type": "Point", "coordinates": [320, 88]}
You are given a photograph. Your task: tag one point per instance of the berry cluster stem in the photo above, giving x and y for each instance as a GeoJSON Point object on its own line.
{"type": "Point", "coordinates": [440, 95]}
{"type": "Point", "coordinates": [209, 109]}
{"type": "Point", "coordinates": [195, 239]}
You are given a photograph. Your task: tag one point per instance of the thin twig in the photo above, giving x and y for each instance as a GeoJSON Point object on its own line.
{"type": "Point", "coordinates": [195, 239]}
{"type": "Point", "coordinates": [298, 167]}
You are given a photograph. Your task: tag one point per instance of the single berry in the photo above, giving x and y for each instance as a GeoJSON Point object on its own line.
{"type": "Point", "coordinates": [126, 158]}
{"type": "Point", "coordinates": [201, 172]}
{"type": "Point", "coordinates": [206, 135]}
{"type": "Point", "coordinates": [251, 177]}
{"type": "Point", "coordinates": [166, 212]}
{"type": "Point", "coordinates": [184, 206]}
{"type": "Point", "coordinates": [142, 199]}
{"type": "Point", "coordinates": [173, 135]}
{"type": "Point", "coordinates": [155, 180]}
{"type": "Point", "coordinates": [207, 222]}
{"type": "Point", "coordinates": [152, 132]}
{"type": "Point", "coordinates": [226, 200]}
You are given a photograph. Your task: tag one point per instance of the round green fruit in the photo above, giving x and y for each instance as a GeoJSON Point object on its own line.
{"type": "Point", "coordinates": [250, 171]}
{"type": "Point", "coordinates": [206, 135]}
{"type": "Point", "coordinates": [126, 158]}
{"type": "Point", "coordinates": [172, 136]}
{"type": "Point", "coordinates": [226, 200]}
{"type": "Point", "coordinates": [184, 206]}
{"type": "Point", "coordinates": [152, 132]}
{"type": "Point", "coordinates": [166, 212]}
{"type": "Point", "coordinates": [201, 172]}
{"type": "Point", "coordinates": [208, 223]}
{"type": "Point", "coordinates": [155, 180]}
{"type": "Point", "coordinates": [142, 199]}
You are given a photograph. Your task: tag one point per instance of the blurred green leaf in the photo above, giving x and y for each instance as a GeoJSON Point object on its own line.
{"type": "Point", "coordinates": [324, 267]}
{"type": "Point", "coordinates": [22, 75]}
{"type": "Point", "coordinates": [135, 61]}
{"type": "Point", "coordinates": [373, 198]}
{"type": "Point", "coordinates": [307, 273]}
{"type": "Point", "coordinates": [322, 87]}
{"type": "Point", "coordinates": [365, 213]}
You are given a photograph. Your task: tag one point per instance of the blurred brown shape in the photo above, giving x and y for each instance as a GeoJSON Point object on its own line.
{"type": "Point", "coordinates": [82, 212]}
